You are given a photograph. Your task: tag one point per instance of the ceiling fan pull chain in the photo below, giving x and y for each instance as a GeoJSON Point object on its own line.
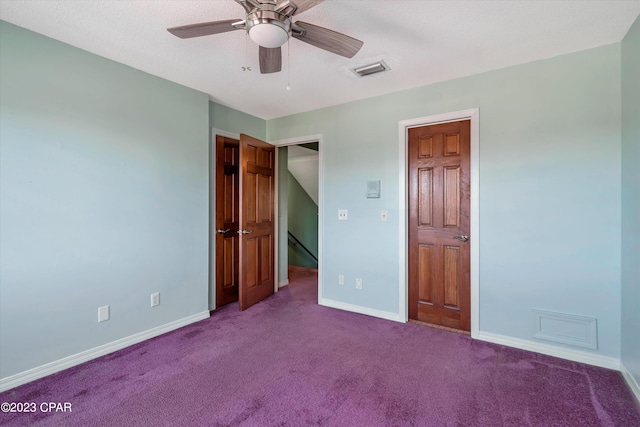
{"type": "Point", "coordinates": [246, 56]}
{"type": "Point", "coordinates": [289, 64]}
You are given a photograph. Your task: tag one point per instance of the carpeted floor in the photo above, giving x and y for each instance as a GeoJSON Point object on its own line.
{"type": "Point", "coordinates": [290, 362]}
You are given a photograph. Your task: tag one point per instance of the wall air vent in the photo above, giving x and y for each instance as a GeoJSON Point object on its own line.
{"type": "Point", "coordinates": [374, 68]}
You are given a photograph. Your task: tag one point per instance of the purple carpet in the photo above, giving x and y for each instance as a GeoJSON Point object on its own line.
{"type": "Point", "coordinates": [289, 362]}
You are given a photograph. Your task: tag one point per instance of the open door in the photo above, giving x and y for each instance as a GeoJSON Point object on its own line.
{"type": "Point", "coordinates": [256, 233]}
{"type": "Point", "coordinates": [227, 219]}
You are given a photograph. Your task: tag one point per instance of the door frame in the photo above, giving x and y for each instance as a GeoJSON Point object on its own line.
{"type": "Point", "coordinates": [297, 141]}
{"type": "Point", "coordinates": [474, 221]}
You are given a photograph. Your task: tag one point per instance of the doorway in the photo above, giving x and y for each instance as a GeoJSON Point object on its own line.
{"type": "Point", "coordinates": [284, 240]}
{"type": "Point", "coordinates": [301, 177]}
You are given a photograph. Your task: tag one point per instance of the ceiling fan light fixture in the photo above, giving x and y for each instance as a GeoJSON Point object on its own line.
{"type": "Point", "coordinates": [268, 34]}
{"type": "Point", "coordinates": [268, 28]}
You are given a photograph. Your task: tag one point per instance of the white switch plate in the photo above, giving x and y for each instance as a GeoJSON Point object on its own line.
{"type": "Point", "coordinates": [103, 313]}
{"type": "Point", "coordinates": [358, 283]}
{"type": "Point", "coordinates": [340, 279]}
{"type": "Point", "coordinates": [342, 214]}
{"type": "Point", "coordinates": [384, 216]}
{"type": "Point", "coordinates": [155, 299]}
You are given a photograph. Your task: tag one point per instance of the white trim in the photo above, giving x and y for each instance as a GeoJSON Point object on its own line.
{"type": "Point", "coordinates": [552, 350]}
{"type": "Point", "coordinates": [361, 310]}
{"type": "Point", "coordinates": [631, 381]}
{"type": "Point", "coordinates": [224, 133]}
{"type": "Point", "coordinates": [403, 126]}
{"type": "Point", "coordinates": [276, 222]}
{"type": "Point", "coordinates": [283, 283]}
{"type": "Point", "coordinates": [297, 140]}
{"type": "Point", "coordinates": [302, 140]}
{"type": "Point", "coordinates": [76, 359]}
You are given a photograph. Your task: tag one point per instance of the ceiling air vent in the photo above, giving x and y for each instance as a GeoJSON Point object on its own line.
{"type": "Point", "coordinates": [367, 70]}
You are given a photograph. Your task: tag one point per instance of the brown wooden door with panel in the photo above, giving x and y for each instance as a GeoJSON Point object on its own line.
{"type": "Point", "coordinates": [227, 219]}
{"type": "Point", "coordinates": [439, 205]}
{"type": "Point", "coordinates": [256, 230]}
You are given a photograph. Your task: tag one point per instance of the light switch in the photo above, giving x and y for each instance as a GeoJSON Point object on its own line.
{"type": "Point", "coordinates": [342, 214]}
{"type": "Point", "coordinates": [384, 216]}
{"type": "Point", "coordinates": [103, 313]}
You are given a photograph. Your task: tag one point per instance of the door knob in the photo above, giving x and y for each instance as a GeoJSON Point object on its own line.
{"type": "Point", "coordinates": [245, 231]}
{"type": "Point", "coordinates": [462, 238]}
{"type": "Point", "coordinates": [221, 231]}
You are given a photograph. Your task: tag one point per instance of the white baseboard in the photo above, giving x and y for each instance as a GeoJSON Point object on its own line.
{"type": "Point", "coordinates": [551, 350]}
{"type": "Point", "coordinates": [631, 381]}
{"type": "Point", "coordinates": [361, 310]}
{"type": "Point", "coordinates": [283, 283]}
{"type": "Point", "coordinates": [76, 359]}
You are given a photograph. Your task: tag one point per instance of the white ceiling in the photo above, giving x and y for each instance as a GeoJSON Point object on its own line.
{"type": "Point", "coordinates": [422, 41]}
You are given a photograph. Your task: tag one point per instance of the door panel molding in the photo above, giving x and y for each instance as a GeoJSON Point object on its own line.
{"type": "Point", "coordinates": [403, 126]}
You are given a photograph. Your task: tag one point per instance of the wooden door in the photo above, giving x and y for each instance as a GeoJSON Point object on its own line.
{"type": "Point", "coordinates": [439, 203]}
{"type": "Point", "coordinates": [256, 220]}
{"type": "Point", "coordinates": [227, 219]}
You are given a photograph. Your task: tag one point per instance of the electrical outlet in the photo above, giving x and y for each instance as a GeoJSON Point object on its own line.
{"type": "Point", "coordinates": [343, 214]}
{"type": "Point", "coordinates": [103, 313]}
{"type": "Point", "coordinates": [358, 283]}
{"type": "Point", "coordinates": [155, 299]}
{"type": "Point", "coordinates": [340, 279]}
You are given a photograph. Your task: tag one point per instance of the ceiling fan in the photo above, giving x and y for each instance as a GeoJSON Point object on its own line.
{"type": "Point", "coordinates": [269, 24]}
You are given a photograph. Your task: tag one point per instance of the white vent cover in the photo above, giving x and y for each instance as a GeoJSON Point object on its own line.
{"type": "Point", "coordinates": [565, 328]}
{"type": "Point", "coordinates": [376, 67]}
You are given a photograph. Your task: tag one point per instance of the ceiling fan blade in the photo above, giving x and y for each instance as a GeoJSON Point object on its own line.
{"type": "Point", "coordinates": [203, 29]}
{"type": "Point", "coordinates": [304, 5]}
{"type": "Point", "coordinates": [270, 60]}
{"type": "Point", "coordinates": [329, 40]}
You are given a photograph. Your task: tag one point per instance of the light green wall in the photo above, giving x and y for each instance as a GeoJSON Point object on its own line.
{"type": "Point", "coordinates": [631, 201]}
{"type": "Point", "coordinates": [549, 190]}
{"type": "Point", "coordinates": [103, 200]}
{"type": "Point", "coordinates": [234, 121]}
{"type": "Point", "coordinates": [303, 223]}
